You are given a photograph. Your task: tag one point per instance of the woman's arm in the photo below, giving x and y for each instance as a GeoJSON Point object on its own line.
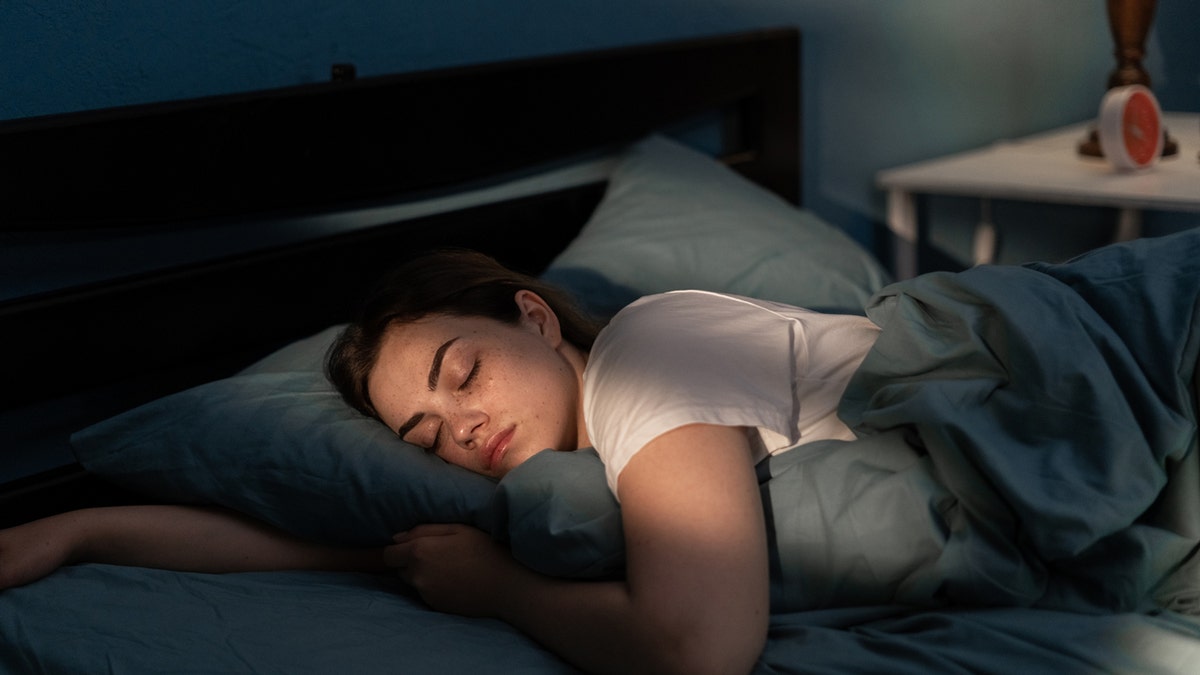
{"type": "Point", "coordinates": [696, 598]}
{"type": "Point", "coordinates": [180, 538]}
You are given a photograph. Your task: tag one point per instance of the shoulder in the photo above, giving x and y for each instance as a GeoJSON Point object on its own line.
{"type": "Point", "coordinates": [699, 322]}
{"type": "Point", "coordinates": [670, 313]}
{"type": "Point", "coordinates": [668, 328]}
{"type": "Point", "coordinates": [699, 357]}
{"type": "Point", "coordinates": [681, 358]}
{"type": "Point", "coordinates": [685, 301]}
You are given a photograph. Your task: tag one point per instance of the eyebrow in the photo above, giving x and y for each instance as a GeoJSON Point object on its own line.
{"type": "Point", "coordinates": [435, 372]}
{"type": "Point", "coordinates": [435, 369]}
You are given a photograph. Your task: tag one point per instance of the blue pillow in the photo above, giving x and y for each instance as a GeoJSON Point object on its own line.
{"type": "Point", "coordinates": [674, 218]}
{"type": "Point", "coordinates": [559, 517]}
{"type": "Point", "coordinates": [278, 443]}
{"type": "Point", "coordinates": [285, 448]}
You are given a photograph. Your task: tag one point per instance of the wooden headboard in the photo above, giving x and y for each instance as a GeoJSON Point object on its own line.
{"type": "Point", "coordinates": [90, 351]}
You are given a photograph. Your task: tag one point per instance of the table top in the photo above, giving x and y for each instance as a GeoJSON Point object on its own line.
{"type": "Point", "coordinates": [1045, 167]}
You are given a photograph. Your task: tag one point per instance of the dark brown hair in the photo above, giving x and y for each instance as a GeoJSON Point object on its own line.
{"type": "Point", "coordinates": [451, 282]}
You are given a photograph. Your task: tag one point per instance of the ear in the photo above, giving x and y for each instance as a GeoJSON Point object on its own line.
{"type": "Point", "coordinates": [538, 316]}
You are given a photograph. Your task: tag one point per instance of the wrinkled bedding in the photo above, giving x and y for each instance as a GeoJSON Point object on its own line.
{"type": "Point", "coordinates": [1057, 404]}
{"type": "Point", "coordinates": [122, 621]}
{"type": "Point", "coordinates": [1042, 419]}
{"type": "Point", "coordinates": [1027, 438]}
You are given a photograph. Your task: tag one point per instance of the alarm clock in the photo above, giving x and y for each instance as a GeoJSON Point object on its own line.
{"type": "Point", "coordinates": [1130, 128]}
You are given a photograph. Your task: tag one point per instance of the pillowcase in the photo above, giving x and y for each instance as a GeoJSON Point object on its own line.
{"type": "Point", "coordinates": [559, 518]}
{"type": "Point", "coordinates": [283, 447]}
{"type": "Point", "coordinates": [675, 218]}
{"type": "Point", "coordinates": [306, 355]}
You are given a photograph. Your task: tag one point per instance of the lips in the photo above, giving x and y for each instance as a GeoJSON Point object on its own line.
{"type": "Point", "coordinates": [494, 449]}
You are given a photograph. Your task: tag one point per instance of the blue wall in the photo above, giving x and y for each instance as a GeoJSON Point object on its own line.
{"type": "Point", "coordinates": [886, 81]}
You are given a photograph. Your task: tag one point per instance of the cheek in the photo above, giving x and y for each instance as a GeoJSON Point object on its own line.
{"type": "Point", "coordinates": [558, 404]}
{"type": "Point", "coordinates": [535, 386]}
{"type": "Point", "coordinates": [553, 385]}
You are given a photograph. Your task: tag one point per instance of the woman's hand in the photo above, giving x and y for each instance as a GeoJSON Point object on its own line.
{"type": "Point", "coordinates": [455, 568]}
{"type": "Point", "coordinates": [696, 597]}
{"type": "Point", "coordinates": [31, 551]}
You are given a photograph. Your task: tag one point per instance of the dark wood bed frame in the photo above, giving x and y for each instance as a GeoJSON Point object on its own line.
{"type": "Point", "coordinates": [79, 355]}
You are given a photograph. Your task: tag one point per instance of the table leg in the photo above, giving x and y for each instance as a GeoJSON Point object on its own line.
{"type": "Point", "coordinates": [902, 221]}
{"type": "Point", "coordinates": [986, 240]}
{"type": "Point", "coordinates": [1129, 224]}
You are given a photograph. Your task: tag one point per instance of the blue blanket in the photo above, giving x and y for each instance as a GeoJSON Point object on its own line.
{"type": "Point", "coordinates": [1056, 403]}
{"type": "Point", "coordinates": [1027, 438]}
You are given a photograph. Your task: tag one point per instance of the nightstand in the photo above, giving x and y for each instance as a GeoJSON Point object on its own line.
{"type": "Point", "coordinates": [1042, 168]}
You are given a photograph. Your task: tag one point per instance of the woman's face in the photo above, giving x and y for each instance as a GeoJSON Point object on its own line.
{"type": "Point", "coordinates": [480, 393]}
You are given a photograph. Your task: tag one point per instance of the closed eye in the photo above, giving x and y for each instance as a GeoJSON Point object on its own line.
{"type": "Point", "coordinates": [437, 436]}
{"type": "Point", "coordinates": [437, 441]}
{"type": "Point", "coordinates": [407, 428]}
{"type": "Point", "coordinates": [470, 376]}
{"type": "Point", "coordinates": [432, 447]}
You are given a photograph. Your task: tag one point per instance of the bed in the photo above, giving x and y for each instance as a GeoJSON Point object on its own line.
{"type": "Point", "coordinates": [203, 254]}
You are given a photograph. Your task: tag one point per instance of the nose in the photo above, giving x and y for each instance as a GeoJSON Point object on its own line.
{"type": "Point", "coordinates": [467, 428]}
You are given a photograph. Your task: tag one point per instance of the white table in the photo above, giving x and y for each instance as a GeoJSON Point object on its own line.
{"type": "Point", "coordinates": [1042, 168]}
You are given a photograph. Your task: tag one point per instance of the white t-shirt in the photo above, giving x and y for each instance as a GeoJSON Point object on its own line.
{"type": "Point", "coordinates": [689, 357]}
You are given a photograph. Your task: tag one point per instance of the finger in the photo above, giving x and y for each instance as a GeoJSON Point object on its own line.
{"type": "Point", "coordinates": [397, 556]}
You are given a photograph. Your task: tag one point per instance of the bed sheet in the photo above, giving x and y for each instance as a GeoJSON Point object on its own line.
{"type": "Point", "coordinates": [126, 621]}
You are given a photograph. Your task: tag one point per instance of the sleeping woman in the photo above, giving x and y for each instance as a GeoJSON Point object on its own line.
{"type": "Point", "coordinates": [681, 395]}
{"type": "Point", "coordinates": [485, 368]}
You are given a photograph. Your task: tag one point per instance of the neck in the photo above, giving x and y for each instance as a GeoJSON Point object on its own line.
{"type": "Point", "coordinates": [578, 361]}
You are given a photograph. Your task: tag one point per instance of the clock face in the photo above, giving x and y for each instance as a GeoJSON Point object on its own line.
{"type": "Point", "coordinates": [1141, 128]}
{"type": "Point", "coordinates": [1130, 127]}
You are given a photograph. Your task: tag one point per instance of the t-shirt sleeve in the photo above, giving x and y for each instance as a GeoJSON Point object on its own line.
{"type": "Point", "coordinates": [683, 358]}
